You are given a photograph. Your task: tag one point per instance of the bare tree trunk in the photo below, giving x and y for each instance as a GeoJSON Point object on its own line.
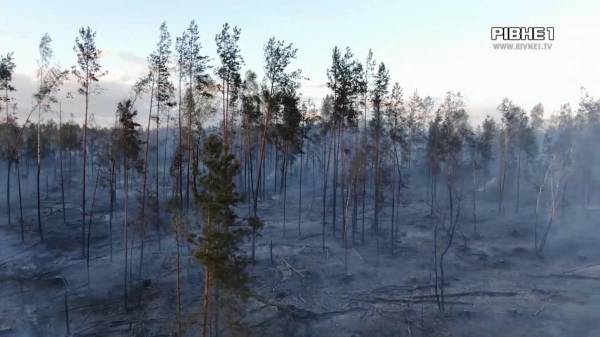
{"type": "Point", "coordinates": [89, 232]}
{"type": "Point", "coordinates": [537, 208]}
{"type": "Point", "coordinates": [39, 167]}
{"type": "Point", "coordinates": [502, 180]}
{"type": "Point", "coordinates": [225, 140]}
{"type": "Point", "coordinates": [555, 195]}
{"type": "Point", "coordinates": [62, 179]}
{"type": "Point", "coordinates": [454, 216]}
{"type": "Point", "coordinates": [178, 285]}
{"type": "Point", "coordinates": [284, 183]}
{"type": "Point", "coordinates": [112, 206]}
{"type": "Point", "coordinates": [206, 300]}
{"type": "Point", "coordinates": [354, 210]}
{"type": "Point", "coordinates": [336, 157]}
{"type": "Point", "coordinates": [180, 143]}
{"type": "Point", "coordinates": [21, 220]}
{"type": "Point", "coordinates": [325, 180]}
{"type": "Point", "coordinates": [345, 201]}
{"type": "Point", "coordinates": [164, 165]}
{"type": "Point", "coordinates": [275, 168]}
{"type": "Point", "coordinates": [518, 180]}
{"type": "Point", "coordinates": [157, 183]}
{"type": "Point", "coordinates": [343, 183]}
{"type": "Point", "coordinates": [435, 265]}
{"type": "Point", "coordinates": [189, 157]}
{"type": "Point", "coordinates": [377, 174]}
{"type": "Point", "coordinates": [314, 180]}
{"type": "Point", "coordinates": [145, 169]}
{"type": "Point", "coordinates": [300, 195]}
{"type": "Point", "coordinates": [84, 163]}
{"type": "Point", "coordinates": [474, 199]}
{"type": "Point", "coordinates": [262, 155]}
{"type": "Point", "coordinates": [8, 164]}
{"type": "Point", "coordinates": [126, 187]}
{"type": "Point", "coordinates": [364, 199]}
{"type": "Point", "coordinates": [392, 227]}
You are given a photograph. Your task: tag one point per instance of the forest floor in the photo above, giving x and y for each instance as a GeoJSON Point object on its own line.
{"type": "Point", "coordinates": [496, 285]}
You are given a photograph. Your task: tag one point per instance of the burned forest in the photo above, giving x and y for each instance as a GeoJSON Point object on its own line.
{"type": "Point", "coordinates": [216, 199]}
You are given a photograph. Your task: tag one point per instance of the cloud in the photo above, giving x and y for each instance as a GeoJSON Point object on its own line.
{"type": "Point", "coordinates": [124, 67]}
{"type": "Point", "coordinates": [131, 57]}
{"type": "Point", "coordinates": [102, 105]}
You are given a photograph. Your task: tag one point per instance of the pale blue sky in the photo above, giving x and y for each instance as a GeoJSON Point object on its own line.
{"type": "Point", "coordinates": [432, 46]}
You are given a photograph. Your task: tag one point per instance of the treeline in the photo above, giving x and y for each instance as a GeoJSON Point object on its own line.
{"type": "Point", "coordinates": [367, 151]}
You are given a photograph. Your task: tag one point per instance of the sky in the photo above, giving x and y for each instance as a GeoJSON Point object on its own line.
{"type": "Point", "coordinates": [428, 46]}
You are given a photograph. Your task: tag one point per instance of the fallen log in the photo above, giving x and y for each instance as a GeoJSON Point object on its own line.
{"type": "Point", "coordinates": [301, 313]}
{"type": "Point", "coordinates": [291, 268]}
{"type": "Point", "coordinates": [565, 276]}
{"type": "Point", "coordinates": [473, 294]}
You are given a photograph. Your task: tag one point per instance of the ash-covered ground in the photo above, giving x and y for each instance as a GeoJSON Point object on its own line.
{"type": "Point", "coordinates": [495, 284]}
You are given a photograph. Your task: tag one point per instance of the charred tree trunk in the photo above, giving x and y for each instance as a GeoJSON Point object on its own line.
{"type": "Point", "coordinates": [157, 178]}
{"type": "Point", "coordinates": [126, 188]}
{"type": "Point", "coordinates": [8, 164]}
{"type": "Point", "coordinates": [474, 171]}
{"type": "Point", "coordinates": [39, 167]}
{"type": "Point", "coordinates": [336, 156]}
{"type": "Point", "coordinates": [300, 195]}
{"type": "Point", "coordinates": [326, 163]}
{"type": "Point", "coordinates": [89, 231]}
{"type": "Point", "coordinates": [145, 169]}
{"type": "Point", "coordinates": [112, 196]}
{"type": "Point", "coordinates": [518, 181]}
{"type": "Point", "coordinates": [39, 206]}
{"type": "Point", "coordinates": [84, 163]}
{"type": "Point", "coordinates": [206, 302]}
{"type": "Point", "coordinates": [62, 179]}
{"type": "Point", "coordinates": [178, 285]}
{"type": "Point", "coordinates": [284, 185]}
{"type": "Point", "coordinates": [21, 220]}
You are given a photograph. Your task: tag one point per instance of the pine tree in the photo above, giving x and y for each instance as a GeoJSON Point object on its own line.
{"type": "Point", "coordinates": [161, 63]}
{"type": "Point", "coordinates": [7, 70]}
{"type": "Point", "coordinates": [129, 149]}
{"type": "Point", "coordinates": [195, 65]}
{"type": "Point", "coordinates": [453, 131]}
{"type": "Point", "coordinates": [512, 117]}
{"type": "Point", "coordinates": [161, 92]}
{"type": "Point", "coordinates": [288, 137]}
{"type": "Point", "coordinates": [537, 116]}
{"type": "Point", "coordinates": [278, 57]}
{"type": "Point", "coordinates": [10, 145]}
{"type": "Point", "coordinates": [50, 79]}
{"type": "Point", "coordinates": [229, 72]}
{"type": "Point", "coordinates": [378, 95]}
{"type": "Point", "coordinates": [219, 246]}
{"type": "Point", "coordinates": [88, 72]}
{"type": "Point", "coordinates": [481, 154]}
{"type": "Point", "coordinates": [399, 126]}
{"type": "Point", "coordinates": [346, 81]}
